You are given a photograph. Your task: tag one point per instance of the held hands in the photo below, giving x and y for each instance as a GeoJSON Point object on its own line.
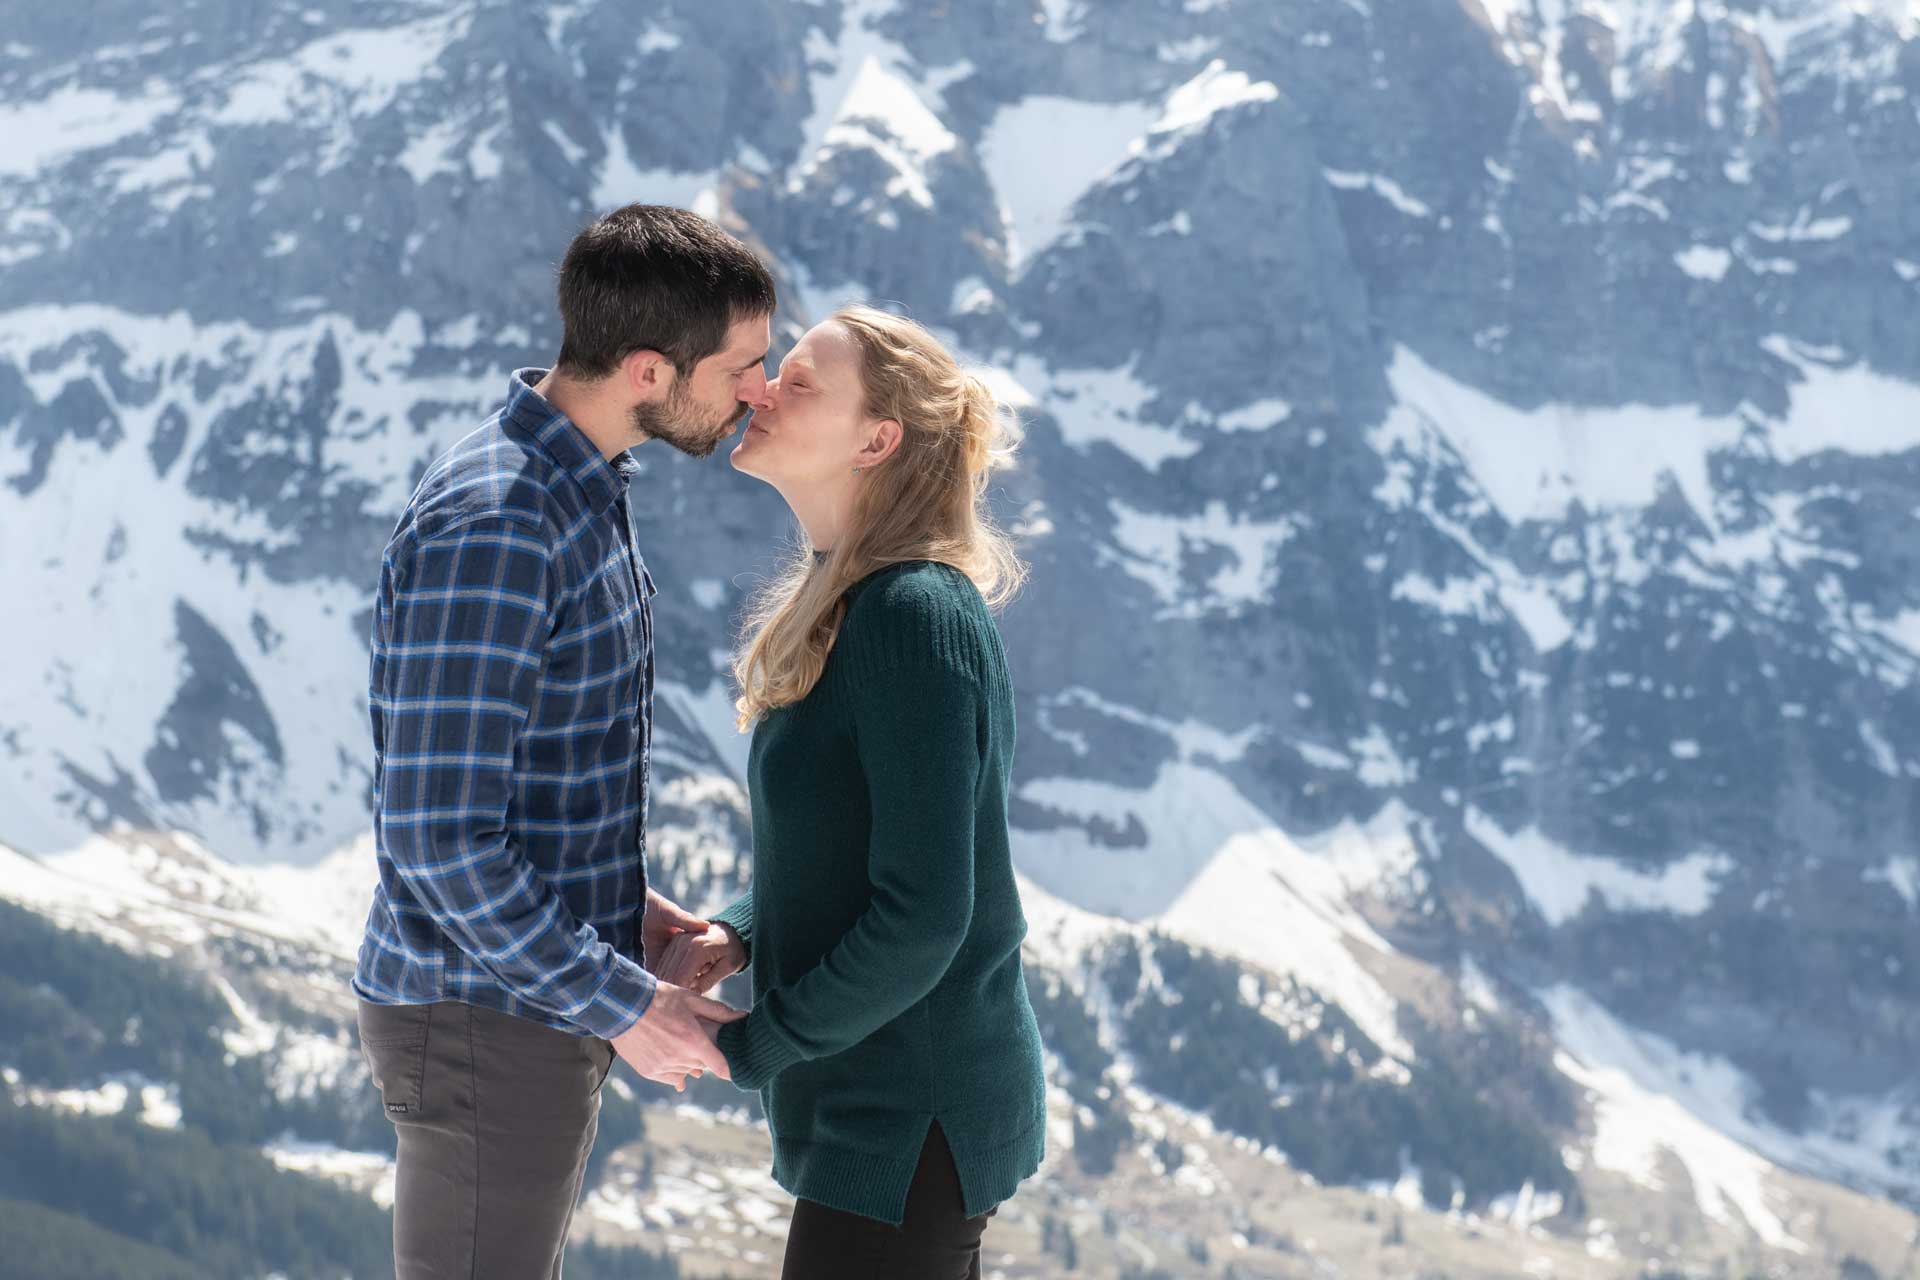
{"type": "Point", "coordinates": [661, 920]}
{"type": "Point", "coordinates": [674, 1037]}
{"type": "Point", "coordinates": [699, 960]}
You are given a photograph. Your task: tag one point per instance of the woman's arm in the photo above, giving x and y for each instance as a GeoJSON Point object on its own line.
{"type": "Point", "coordinates": [916, 732]}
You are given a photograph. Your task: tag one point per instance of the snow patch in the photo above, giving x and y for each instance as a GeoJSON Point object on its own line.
{"type": "Point", "coordinates": [1216, 872]}
{"type": "Point", "coordinates": [1902, 874]}
{"type": "Point", "coordinates": [369, 1171]}
{"type": "Point", "coordinates": [69, 121]}
{"type": "Point", "coordinates": [1092, 406]}
{"type": "Point", "coordinates": [1381, 185]}
{"type": "Point", "coordinates": [158, 1105]}
{"type": "Point", "coordinates": [570, 150]}
{"type": "Point", "coordinates": [1851, 408]}
{"type": "Point", "coordinates": [431, 151]}
{"type": "Point", "coordinates": [1214, 90]}
{"type": "Point", "coordinates": [881, 114]}
{"type": "Point", "coordinates": [1534, 464]}
{"type": "Point", "coordinates": [347, 74]}
{"type": "Point", "coordinates": [622, 182]}
{"type": "Point", "coordinates": [1559, 882]}
{"type": "Point", "coordinates": [1703, 262]}
{"type": "Point", "coordinates": [1652, 1097]}
{"type": "Point", "coordinates": [1159, 549]}
{"type": "Point", "coordinates": [1257, 416]}
{"type": "Point", "coordinates": [1043, 153]}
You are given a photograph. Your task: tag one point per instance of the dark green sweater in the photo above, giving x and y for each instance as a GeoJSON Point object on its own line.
{"type": "Point", "coordinates": [883, 924]}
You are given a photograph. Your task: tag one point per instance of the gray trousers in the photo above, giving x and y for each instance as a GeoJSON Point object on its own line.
{"type": "Point", "coordinates": [495, 1117]}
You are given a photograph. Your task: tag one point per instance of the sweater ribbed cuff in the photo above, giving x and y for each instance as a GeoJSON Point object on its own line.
{"type": "Point", "coordinates": [738, 916]}
{"type": "Point", "coordinates": [755, 1052]}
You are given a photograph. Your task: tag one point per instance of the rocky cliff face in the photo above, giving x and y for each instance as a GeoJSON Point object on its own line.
{"type": "Point", "coordinates": [1471, 475]}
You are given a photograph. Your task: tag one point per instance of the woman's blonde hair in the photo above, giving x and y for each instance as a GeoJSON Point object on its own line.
{"type": "Point", "coordinates": [927, 501]}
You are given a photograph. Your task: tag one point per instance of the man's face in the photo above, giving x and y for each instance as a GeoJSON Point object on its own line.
{"type": "Point", "coordinates": [702, 408]}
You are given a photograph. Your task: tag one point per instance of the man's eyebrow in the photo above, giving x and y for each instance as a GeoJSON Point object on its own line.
{"type": "Point", "coordinates": [759, 359]}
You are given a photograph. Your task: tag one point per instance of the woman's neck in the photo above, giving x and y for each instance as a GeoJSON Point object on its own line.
{"type": "Point", "coordinates": [822, 515]}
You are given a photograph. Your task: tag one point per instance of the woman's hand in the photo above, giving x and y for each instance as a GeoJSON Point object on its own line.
{"type": "Point", "coordinates": [698, 961]}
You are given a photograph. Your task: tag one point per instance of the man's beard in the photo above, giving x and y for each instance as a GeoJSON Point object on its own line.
{"type": "Point", "coordinates": [678, 422]}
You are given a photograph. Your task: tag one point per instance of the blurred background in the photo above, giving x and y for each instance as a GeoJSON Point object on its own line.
{"type": "Point", "coordinates": [1467, 788]}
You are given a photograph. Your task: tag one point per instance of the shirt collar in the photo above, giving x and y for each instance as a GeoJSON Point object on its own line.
{"type": "Point", "coordinates": [602, 481]}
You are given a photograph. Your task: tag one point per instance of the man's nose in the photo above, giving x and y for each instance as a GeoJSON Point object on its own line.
{"type": "Point", "coordinates": [758, 390]}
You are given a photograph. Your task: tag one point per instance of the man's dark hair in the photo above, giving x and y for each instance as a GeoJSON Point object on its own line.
{"type": "Point", "coordinates": [649, 277]}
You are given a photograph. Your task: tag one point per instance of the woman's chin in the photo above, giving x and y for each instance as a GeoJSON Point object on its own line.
{"type": "Point", "coordinates": [743, 461]}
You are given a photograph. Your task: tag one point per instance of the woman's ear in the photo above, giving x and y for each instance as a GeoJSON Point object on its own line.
{"type": "Point", "coordinates": [882, 442]}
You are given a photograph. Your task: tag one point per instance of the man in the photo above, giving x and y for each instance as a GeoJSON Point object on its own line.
{"type": "Point", "coordinates": [508, 952]}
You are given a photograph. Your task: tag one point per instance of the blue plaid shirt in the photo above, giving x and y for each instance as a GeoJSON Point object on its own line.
{"type": "Point", "coordinates": [511, 694]}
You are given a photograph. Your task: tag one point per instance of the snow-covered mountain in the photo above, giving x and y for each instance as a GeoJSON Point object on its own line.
{"type": "Point", "coordinates": [1471, 476]}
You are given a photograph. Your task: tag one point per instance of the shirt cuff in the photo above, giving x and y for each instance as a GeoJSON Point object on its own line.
{"type": "Point", "coordinates": [627, 994]}
{"type": "Point", "coordinates": [754, 1051]}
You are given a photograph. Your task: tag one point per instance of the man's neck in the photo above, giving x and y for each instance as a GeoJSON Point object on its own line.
{"type": "Point", "coordinates": [607, 426]}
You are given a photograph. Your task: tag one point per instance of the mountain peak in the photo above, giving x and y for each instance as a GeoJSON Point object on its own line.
{"type": "Point", "coordinates": [879, 97]}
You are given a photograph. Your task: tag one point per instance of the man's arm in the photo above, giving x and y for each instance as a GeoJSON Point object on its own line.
{"type": "Point", "coordinates": [467, 618]}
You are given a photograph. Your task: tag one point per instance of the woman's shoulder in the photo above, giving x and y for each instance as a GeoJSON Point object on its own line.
{"type": "Point", "coordinates": [913, 588]}
{"type": "Point", "coordinates": [919, 612]}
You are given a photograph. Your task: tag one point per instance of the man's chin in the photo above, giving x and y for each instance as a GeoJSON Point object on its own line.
{"type": "Point", "coordinates": [702, 446]}
{"type": "Point", "coordinates": [693, 446]}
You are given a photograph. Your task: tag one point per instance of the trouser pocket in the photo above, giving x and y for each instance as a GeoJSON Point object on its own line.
{"type": "Point", "coordinates": [393, 1041]}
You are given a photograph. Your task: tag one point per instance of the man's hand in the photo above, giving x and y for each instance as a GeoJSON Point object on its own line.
{"type": "Point", "coordinates": [697, 961]}
{"type": "Point", "coordinates": [661, 919]}
{"type": "Point", "coordinates": [674, 1037]}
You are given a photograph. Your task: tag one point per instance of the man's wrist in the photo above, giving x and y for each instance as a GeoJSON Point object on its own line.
{"type": "Point", "coordinates": [621, 1003]}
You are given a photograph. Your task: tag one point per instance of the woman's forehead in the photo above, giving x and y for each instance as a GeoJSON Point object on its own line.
{"type": "Point", "coordinates": [825, 346]}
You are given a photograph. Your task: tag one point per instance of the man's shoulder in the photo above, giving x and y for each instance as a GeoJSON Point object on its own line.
{"type": "Point", "coordinates": [492, 474]}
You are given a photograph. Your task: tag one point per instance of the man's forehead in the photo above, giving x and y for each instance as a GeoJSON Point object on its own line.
{"type": "Point", "coordinates": [748, 337]}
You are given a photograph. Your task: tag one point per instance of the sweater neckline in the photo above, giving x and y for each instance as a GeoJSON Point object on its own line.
{"type": "Point", "coordinates": [860, 584]}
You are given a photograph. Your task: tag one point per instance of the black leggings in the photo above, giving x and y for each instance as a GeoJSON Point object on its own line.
{"type": "Point", "coordinates": [934, 1242]}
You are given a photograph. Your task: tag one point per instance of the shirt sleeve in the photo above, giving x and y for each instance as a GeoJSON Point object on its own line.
{"type": "Point", "coordinates": [916, 731]}
{"type": "Point", "coordinates": [467, 614]}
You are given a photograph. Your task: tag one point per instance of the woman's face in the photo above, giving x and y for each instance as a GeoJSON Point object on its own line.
{"type": "Point", "coordinates": [807, 428]}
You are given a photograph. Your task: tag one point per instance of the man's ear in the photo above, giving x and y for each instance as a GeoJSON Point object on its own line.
{"type": "Point", "coordinates": [646, 374]}
{"type": "Point", "coordinates": [882, 442]}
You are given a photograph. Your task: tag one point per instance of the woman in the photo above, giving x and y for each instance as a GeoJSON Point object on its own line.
{"type": "Point", "coordinates": [890, 1037]}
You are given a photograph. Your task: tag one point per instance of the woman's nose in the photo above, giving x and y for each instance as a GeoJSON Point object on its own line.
{"type": "Point", "coordinates": [769, 388]}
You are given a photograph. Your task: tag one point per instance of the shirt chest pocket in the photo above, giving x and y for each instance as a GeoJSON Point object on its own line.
{"type": "Point", "coordinates": [597, 652]}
